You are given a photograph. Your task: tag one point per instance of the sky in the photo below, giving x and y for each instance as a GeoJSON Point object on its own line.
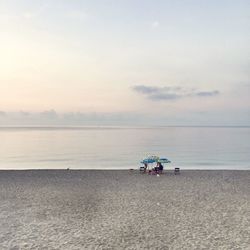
{"type": "Point", "coordinates": [125, 62]}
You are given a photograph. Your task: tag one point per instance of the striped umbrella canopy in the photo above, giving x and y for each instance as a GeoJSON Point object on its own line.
{"type": "Point", "coordinates": [150, 159]}
{"type": "Point", "coordinates": [163, 160]}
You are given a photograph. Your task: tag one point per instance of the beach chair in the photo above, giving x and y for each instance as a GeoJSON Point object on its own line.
{"type": "Point", "coordinates": [142, 168]}
{"type": "Point", "coordinates": [177, 171]}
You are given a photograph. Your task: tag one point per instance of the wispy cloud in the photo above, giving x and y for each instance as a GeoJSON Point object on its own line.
{"type": "Point", "coordinates": [171, 93]}
{"type": "Point", "coordinates": [50, 114]}
{"type": "Point", "coordinates": [145, 89]}
{"type": "Point", "coordinates": [207, 93]}
{"type": "Point", "coordinates": [52, 117]}
{"type": "Point", "coordinates": [2, 113]}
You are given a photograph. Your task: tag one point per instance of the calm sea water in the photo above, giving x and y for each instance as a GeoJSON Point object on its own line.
{"type": "Point", "coordinates": [122, 148]}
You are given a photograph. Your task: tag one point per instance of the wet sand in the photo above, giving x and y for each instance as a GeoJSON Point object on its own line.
{"type": "Point", "coordinates": [60, 209]}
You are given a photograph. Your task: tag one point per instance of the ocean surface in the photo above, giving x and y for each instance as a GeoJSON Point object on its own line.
{"type": "Point", "coordinates": [123, 147]}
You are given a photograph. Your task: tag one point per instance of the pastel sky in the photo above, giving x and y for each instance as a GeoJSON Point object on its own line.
{"type": "Point", "coordinates": [183, 62]}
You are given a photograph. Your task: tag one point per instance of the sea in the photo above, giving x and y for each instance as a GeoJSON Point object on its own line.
{"type": "Point", "coordinates": [124, 147]}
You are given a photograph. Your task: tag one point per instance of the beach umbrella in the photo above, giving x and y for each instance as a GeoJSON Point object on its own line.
{"type": "Point", "coordinates": [147, 161]}
{"type": "Point", "coordinates": [163, 160]}
{"type": "Point", "coordinates": [150, 159]}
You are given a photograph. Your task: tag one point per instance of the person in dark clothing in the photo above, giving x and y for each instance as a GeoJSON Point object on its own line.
{"type": "Point", "coordinates": [160, 166]}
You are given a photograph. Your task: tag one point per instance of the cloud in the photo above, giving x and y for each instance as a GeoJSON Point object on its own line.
{"type": "Point", "coordinates": [171, 93]}
{"type": "Point", "coordinates": [2, 113]}
{"type": "Point", "coordinates": [53, 118]}
{"type": "Point", "coordinates": [145, 89]}
{"type": "Point", "coordinates": [50, 114]}
{"type": "Point", "coordinates": [164, 96]}
{"type": "Point", "coordinates": [208, 93]}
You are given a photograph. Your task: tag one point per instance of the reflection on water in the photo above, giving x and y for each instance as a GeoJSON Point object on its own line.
{"type": "Point", "coordinates": [186, 147]}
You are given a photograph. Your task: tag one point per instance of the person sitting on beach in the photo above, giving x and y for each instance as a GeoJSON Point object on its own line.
{"type": "Point", "coordinates": [156, 169]}
{"type": "Point", "coordinates": [160, 167]}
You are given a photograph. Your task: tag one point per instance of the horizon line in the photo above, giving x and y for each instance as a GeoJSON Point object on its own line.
{"type": "Point", "coordinates": [117, 126]}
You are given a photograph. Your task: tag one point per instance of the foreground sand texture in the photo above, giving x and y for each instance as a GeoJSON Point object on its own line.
{"type": "Point", "coordinates": [60, 209]}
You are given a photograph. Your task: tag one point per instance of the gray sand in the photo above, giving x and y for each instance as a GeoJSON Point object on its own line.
{"type": "Point", "coordinates": [57, 209]}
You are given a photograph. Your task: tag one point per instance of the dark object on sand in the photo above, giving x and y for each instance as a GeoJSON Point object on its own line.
{"type": "Point", "coordinates": [177, 171]}
{"type": "Point", "coordinates": [160, 166]}
{"type": "Point", "coordinates": [142, 168]}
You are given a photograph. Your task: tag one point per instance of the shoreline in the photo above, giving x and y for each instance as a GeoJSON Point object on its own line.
{"type": "Point", "coordinates": [119, 169]}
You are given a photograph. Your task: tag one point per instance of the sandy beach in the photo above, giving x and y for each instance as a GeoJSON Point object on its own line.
{"type": "Point", "coordinates": [60, 209]}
